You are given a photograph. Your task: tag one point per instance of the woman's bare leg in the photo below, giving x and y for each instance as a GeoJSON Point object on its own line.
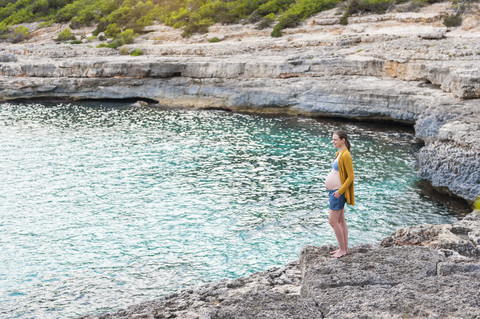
{"type": "Point", "coordinates": [343, 224]}
{"type": "Point", "coordinates": [335, 219]}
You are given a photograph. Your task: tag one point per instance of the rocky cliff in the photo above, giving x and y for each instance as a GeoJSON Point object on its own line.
{"type": "Point", "coordinates": [402, 67]}
{"type": "Point", "coordinates": [418, 272]}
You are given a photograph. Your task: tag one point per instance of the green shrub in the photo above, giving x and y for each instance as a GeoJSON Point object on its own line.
{"type": "Point", "coordinates": [246, 11]}
{"type": "Point", "coordinates": [266, 21]}
{"type": "Point", "coordinates": [476, 204]}
{"type": "Point", "coordinates": [222, 12]}
{"type": "Point", "coordinates": [117, 42]}
{"type": "Point", "coordinates": [46, 24]}
{"type": "Point", "coordinates": [214, 39]}
{"type": "Point", "coordinates": [85, 12]}
{"type": "Point", "coordinates": [3, 27]}
{"type": "Point", "coordinates": [375, 6]}
{"type": "Point", "coordinates": [195, 16]}
{"type": "Point", "coordinates": [68, 12]}
{"type": "Point", "coordinates": [40, 7]}
{"type": "Point", "coordinates": [136, 52]}
{"type": "Point", "coordinates": [102, 45]}
{"type": "Point", "coordinates": [299, 11]}
{"type": "Point", "coordinates": [101, 27]}
{"type": "Point", "coordinates": [112, 30]}
{"type": "Point", "coordinates": [65, 35]}
{"type": "Point", "coordinates": [20, 33]}
{"type": "Point", "coordinates": [344, 19]}
{"type": "Point", "coordinates": [76, 42]}
{"type": "Point", "coordinates": [276, 33]}
{"type": "Point", "coordinates": [274, 6]}
{"type": "Point", "coordinates": [127, 36]}
{"type": "Point", "coordinates": [452, 20]}
{"type": "Point", "coordinates": [360, 6]}
{"type": "Point", "coordinates": [131, 14]}
{"type": "Point", "coordinates": [412, 5]}
{"type": "Point", "coordinates": [178, 19]}
{"type": "Point", "coordinates": [125, 18]}
{"type": "Point", "coordinates": [18, 12]}
{"type": "Point", "coordinates": [197, 27]}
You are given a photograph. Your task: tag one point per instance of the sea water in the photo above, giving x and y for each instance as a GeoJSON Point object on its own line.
{"type": "Point", "coordinates": [103, 205]}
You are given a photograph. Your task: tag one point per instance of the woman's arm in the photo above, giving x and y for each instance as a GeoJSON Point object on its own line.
{"type": "Point", "coordinates": [348, 166]}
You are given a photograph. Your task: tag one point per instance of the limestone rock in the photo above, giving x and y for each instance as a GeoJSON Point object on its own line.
{"type": "Point", "coordinates": [373, 281]}
{"type": "Point", "coordinates": [448, 166]}
{"type": "Point", "coordinates": [436, 35]}
{"type": "Point", "coordinates": [388, 283]}
{"type": "Point", "coordinates": [462, 238]}
{"type": "Point", "coordinates": [7, 57]}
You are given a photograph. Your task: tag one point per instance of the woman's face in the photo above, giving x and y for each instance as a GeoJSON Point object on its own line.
{"type": "Point", "coordinates": [337, 142]}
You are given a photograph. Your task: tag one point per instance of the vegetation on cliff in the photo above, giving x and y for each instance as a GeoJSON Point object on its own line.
{"type": "Point", "coordinates": [195, 16]}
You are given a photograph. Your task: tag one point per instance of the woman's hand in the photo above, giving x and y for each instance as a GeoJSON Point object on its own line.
{"type": "Point", "coordinates": [337, 194]}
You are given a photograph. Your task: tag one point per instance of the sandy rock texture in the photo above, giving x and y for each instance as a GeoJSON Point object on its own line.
{"type": "Point", "coordinates": [397, 279]}
{"type": "Point", "coordinates": [404, 67]}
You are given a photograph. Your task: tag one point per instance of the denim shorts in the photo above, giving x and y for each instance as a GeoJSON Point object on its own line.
{"type": "Point", "coordinates": [336, 203]}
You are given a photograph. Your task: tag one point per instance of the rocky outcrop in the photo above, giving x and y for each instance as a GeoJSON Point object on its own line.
{"type": "Point", "coordinates": [398, 279]}
{"type": "Point", "coordinates": [459, 239]}
{"type": "Point", "coordinates": [401, 67]}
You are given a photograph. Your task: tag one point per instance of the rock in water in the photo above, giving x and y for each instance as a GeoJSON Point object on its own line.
{"type": "Point", "coordinates": [140, 104]}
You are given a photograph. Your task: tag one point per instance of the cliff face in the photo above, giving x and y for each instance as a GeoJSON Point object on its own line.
{"type": "Point", "coordinates": [422, 271]}
{"type": "Point", "coordinates": [403, 67]}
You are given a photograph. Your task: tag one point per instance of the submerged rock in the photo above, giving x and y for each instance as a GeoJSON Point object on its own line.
{"type": "Point", "coordinates": [140, 104]}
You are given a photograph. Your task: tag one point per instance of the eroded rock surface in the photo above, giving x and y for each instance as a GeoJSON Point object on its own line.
{"type": "Point", "coordinates": [459, 239]}
{"type": "Point", "coordinates": [398, 279]}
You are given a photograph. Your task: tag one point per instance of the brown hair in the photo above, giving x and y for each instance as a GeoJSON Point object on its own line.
{"type": "Point", "coordinates": [343, 135]}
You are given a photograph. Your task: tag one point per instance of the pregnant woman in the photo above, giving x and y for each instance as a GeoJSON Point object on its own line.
{"type": "Point", "coordinates": [339, 182]}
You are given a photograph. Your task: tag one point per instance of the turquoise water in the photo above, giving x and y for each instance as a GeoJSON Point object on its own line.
{"type": "Point", "coordinates": [104, 205]}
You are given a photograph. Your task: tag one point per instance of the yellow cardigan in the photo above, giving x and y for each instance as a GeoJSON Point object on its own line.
{"type": "Point", "coordinates": [345, 168]}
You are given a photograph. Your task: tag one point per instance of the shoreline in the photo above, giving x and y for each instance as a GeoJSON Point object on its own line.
{"type": "Point", "coordinates": [460, 205]}
{"type": "Point", "coordinates": [400, 67]}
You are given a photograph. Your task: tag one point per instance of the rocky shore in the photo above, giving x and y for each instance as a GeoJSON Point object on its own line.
{"type": "Point", "coordinates": [427, 271]}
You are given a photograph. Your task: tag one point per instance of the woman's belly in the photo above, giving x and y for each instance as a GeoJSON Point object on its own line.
{"type": "Point", "coordinates": [333, 180]}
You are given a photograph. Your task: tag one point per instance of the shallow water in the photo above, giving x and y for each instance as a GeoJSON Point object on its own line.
{"type": "Point", "coordinates": [104, 205]}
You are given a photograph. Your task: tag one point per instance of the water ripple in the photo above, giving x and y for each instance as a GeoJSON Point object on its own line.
{"type": "Point", "coordinates": [104, 205]}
